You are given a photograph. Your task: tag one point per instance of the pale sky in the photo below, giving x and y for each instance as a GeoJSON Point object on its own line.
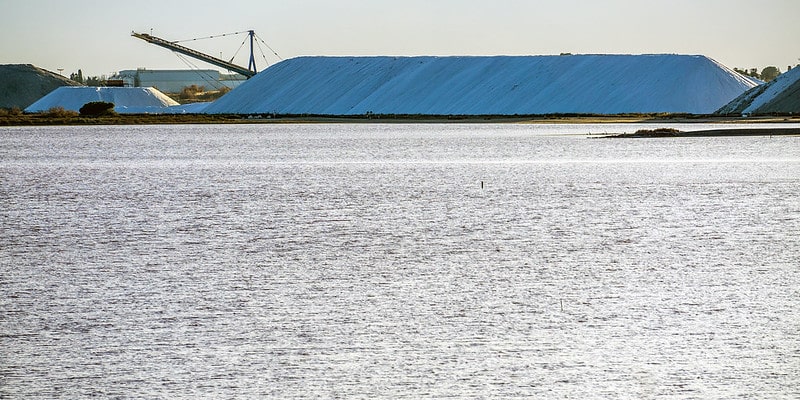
{"type": "Point", "coordinates": [95, 35]}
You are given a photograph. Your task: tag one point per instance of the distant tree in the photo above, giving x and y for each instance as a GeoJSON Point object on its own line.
{"type": "Point", "coordinates": [95, 80]}
{"type": "Point", "coordinates": [77, 76]}
{"type": "Point", "coordinates": [191, 92]}
{"type": "Point", "coordinates": [770, 73]}
{"type": "Point", "coordinates": [752, 72]}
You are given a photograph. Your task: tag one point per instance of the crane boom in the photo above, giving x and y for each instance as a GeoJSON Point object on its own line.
{"type": "Point", "coordinates": [196, 54]}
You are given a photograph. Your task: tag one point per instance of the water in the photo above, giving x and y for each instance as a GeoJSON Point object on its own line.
{"type": "Point", "coordinates": [397, 261]}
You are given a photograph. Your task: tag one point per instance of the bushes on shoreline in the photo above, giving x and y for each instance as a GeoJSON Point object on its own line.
{"type": "Point", "coordinates": [97, 109]}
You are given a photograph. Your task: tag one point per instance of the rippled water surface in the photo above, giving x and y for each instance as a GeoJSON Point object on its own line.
{"type": "Point", "coordinates": [397, 261]}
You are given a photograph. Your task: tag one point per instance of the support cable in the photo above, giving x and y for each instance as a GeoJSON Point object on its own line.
{"type": "Point", "coordinates": [264, 56]}
{"type": "Point", "coordinates": [210, 37]}
{"type": "Point", "coordinates": [238, 50]}
{"type": "Point", "coordinates": [270, 48]}
{"type": "Point", "coordinates": [206, 77]}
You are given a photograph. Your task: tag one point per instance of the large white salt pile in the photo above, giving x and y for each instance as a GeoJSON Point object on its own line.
{"type": "Point", "coordinates": [497, 85]}
{"type": "Point", "coordinates": [127, 100]}
{"type": "Point", "coordinates": [781, 95]}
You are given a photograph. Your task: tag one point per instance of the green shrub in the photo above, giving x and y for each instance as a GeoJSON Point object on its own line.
{"type": "Point", "coordinates": [97, 109]}
{"type": "Point", "coordinates": [191, 92]}
{"type": "Point", "coordinates": [5, 112]}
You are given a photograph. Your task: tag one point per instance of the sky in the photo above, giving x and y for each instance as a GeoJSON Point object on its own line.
{"type": "Point", "coordinates": [94, 36]}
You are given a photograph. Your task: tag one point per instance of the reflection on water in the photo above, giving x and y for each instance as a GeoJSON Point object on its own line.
{"type": "Point", "coordinates": [396, 261]}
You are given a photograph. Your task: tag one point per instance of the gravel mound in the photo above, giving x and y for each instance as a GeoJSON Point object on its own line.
{"type": "Point", "coordinates": [22, 84]}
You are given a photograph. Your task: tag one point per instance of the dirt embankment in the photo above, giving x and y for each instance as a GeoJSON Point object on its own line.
{"type": "Point", "coordinates": [62, 117]}
{"type": "Point", "coordinates": [22, 84]}
{"type": "Point", "coordinates": [744, 131]}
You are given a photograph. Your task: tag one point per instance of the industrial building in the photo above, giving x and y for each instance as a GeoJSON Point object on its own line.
{"type": "Point", "coordinates": [173, 81]}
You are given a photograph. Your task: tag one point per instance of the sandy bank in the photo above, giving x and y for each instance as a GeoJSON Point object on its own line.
{"type": "Point", "coordinates": [744, 131]}
{"type": "Point", "coordinates": [17, 119]}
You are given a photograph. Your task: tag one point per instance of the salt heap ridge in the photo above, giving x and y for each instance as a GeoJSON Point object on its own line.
{"type": "Point", "coordinates": [780, 95]}
{"type": "Point", "coordinates": [127, 100]}
{"type": "Point", "coordinates": [492, 85]}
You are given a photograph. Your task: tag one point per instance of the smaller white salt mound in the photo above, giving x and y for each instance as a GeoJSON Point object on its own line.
{"type": "Point", "coordinates": [126, 100]}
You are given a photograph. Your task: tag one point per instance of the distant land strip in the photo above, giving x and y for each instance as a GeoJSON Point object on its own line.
{"type": "Point", "coordinates": [72, 118]}
{"type": "Point", "coordinates": [662, 133]}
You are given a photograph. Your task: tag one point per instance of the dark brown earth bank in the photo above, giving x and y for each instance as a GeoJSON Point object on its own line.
{"type": "Point", "coordinates": [744, 131]}
{"type": "Point", "coordinates": [22, 84]}
{"type": "Point", "coordinates": [64, 117]}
